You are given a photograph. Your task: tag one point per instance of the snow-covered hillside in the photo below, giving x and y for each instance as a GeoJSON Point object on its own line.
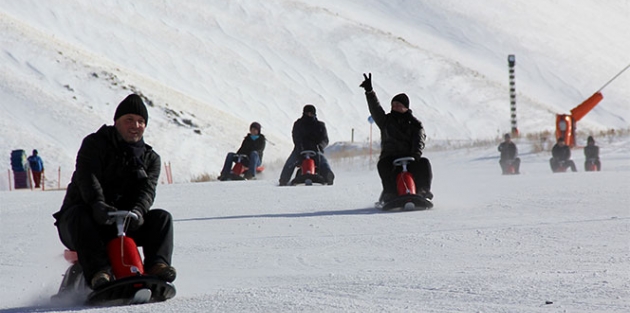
{"type": "Point", "coordinates": [211, 68]}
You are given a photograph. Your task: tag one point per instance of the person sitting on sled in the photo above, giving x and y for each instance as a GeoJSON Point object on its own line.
{"type": "Point", "coordinates": [116, 170]}
{"type": "Point", "coordinates": [561, 156]}
{"type": "Point", "coordinates": [591, 153]}
{"type": "Point", "coordinates": [402, 135]}
{"type": "Point", "coordinates": [308, 134]}
{"type": "Point", "coordinates": [253, 146]}
{"type": "Point", "coordinates": [509, 154]}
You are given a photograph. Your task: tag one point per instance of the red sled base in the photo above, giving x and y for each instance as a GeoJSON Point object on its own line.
{"type": "Point", "coordinates": [406, 203]}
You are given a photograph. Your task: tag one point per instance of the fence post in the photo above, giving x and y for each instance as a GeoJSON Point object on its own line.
{"type": "Point", "coordinates": [9, 177]}
{"type": "Point", "coordinates": [59, 179]}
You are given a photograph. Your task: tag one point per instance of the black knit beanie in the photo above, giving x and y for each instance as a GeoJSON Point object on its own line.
{"type": "Point", "coordinates": [402, 98]}
{"type": "Point", "coordinates": [132, 105]}
{"type": "Point", "coordinates": [309, 108]}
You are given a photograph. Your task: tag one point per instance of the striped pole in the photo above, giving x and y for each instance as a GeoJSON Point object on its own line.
{"type": "Point", "coordinates": [511, 63]}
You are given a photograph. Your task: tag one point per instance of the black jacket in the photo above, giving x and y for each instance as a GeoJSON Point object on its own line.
{"type": "Point", "coordinates": [310, 134]}
{"type": "Point", "coordinates": [508, 150]}
{"type": "Point", "coordinates": [561, 153]}
{"type": "Point", "coordinates": [248, 145]}
{"type": "Point", "coordinates": [591, 152]}
{"type": "Point", "coordinates": [107, 171]}
{"type": "Point", "coordinates": [401, 134]}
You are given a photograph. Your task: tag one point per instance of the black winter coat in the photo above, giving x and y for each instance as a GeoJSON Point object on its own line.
{"type": "Point", "coordinates": [591, 152]}
{"type": "Point", "coordinates": [248, 145]}
{"type": "Point", "coordinates": [310, 134]}
{"type": "Point", "coordinates": [106, 171]}
{"type": "Point", "coordinates": [508, 150]}
{"type": "Point", "coordinates": [401, 134]}
{"type": "Point", "coordinates": [561, 153]}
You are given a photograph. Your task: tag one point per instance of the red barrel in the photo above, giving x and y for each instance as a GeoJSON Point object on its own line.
{"type": "Point", "coordinates": [124, 257]}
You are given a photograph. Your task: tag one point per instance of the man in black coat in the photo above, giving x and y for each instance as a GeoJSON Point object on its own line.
{"type": "Point", "coordinates": [308, 134]}
{"type": "Point", "coordinates": [402, 135]}
{"type": "Point", "coordinates": [591, 153]}
{"type": "Point", "coordinates": [561, 156]}
{"type": "Point", "coordinates": [116, 170]}
{"type": "Point", "coordinates": [509, 154]}
{"type": "Point", "coordinates": [252, 146]}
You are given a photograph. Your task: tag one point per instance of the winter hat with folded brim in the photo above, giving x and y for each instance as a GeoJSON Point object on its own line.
{"type": "Point", "coordinates": [133, 104]}
{"type": "Point", "coordinates": [402, 98]}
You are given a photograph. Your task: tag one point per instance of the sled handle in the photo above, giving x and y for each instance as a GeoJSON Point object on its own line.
{"type": "Point", "coordinates": [403, 161]}
{"type": "Point", "coordinates": [120, 220]}
{"type": "Point", "coordinates": [308, 153]}
{"type": "Point", "coordinates": [239, 157]}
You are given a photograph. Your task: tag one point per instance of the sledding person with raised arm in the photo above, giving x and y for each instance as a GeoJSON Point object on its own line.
{"type": "Point", "coordinates": [561, 157]}
{"type": "Point", "coordinates": [252, 147]}
{"type": "Point", "coordinates": [591, 153]}
{"type": "Point", "coordinates": [509, 159]}
{"type": "Point", "coordinates": [116, 170]}
{"type": "Point", "coordinates": [402, 135]}
{"type": "Point", "coordinates": [309, 134]}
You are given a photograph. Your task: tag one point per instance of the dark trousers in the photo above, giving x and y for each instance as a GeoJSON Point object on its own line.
{"type": "Point", "coordinates": [557, 164]}
{"type": "Point", "coordinates": [37, 178]}
{"type": "Point", "coordinates": [78, 232]}
{"type": "Point", "coordinates": [507, 162]}
{"type": "Point", "coordinates": [323, 168]}
{"type": "Point", "coordinates": [421, 171]}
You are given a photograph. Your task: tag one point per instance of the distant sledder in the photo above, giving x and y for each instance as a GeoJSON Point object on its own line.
{"type": "Point", "coordinates": [310, 137]}
{"type": "Point", "coordinates": [510, 163]}
{"type": "Point", "coordinates": [561, 157]}
{"type": "Point", "coordinates": [405, 175]}
{"type": "Point", "coordinates": [591, 153]}
{"type": "Point", "coordinates": [247, 159]}
{"type": "Point", "coordinates": [131, 284]}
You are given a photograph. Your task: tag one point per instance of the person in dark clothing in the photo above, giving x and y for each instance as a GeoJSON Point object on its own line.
{"type": "Point", "coordinates": [509, 154]}
{"type": "Point", "coordinates": [116, 170]}
{"type": "Point", "coordinates": [308, 134]}
{"type": "Point", "coordinates": [402, 135]}
{"type": "Point", "coordinates": [561, 157]}
{"type": "Point", "coordinates": [591, 152]}
{"type": "Point", "coordinates": [37, 167]}
{"type": "Point", "coordinates": [253, 146]}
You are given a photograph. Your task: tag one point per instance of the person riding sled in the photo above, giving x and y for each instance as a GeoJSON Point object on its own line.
{"type": "Point", "coordinates": [591, 153]}
{"type": "Point", "coordinates": [116, 170]}
{"type": "Point", "coordinates": [308, 134]}
{"type": "Point", "coordinates": [509, 157]}
{"type": "Point", "coordinates": [252, 146]}
{"type": "Point", "coordinates": [561, 157]}
{"type": "Point", "coordinates": [402, 135]}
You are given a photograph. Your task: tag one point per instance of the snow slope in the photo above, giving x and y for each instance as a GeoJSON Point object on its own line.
{"type": "Point", "coordinates": [492, 243]}
{"type": "Point", "coordinates": [211, 68]}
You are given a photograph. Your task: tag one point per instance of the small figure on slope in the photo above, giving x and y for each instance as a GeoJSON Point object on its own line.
{"type": "Point", "coordinates": [252, 147]}
{"type": "Point", "coordinates": [591, 153]}
{"type": "Point", "coordinates": [561, 157]}
{"type": "Point", "coordinates": [510, 163]}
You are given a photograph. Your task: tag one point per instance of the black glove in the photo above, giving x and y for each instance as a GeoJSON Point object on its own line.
{"type": "Point", "coordinates": [367, 83]}
{"type": "Point", "coordinates": [99, 213]}
{"type": "Point", "coordinates": [134, 224]}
